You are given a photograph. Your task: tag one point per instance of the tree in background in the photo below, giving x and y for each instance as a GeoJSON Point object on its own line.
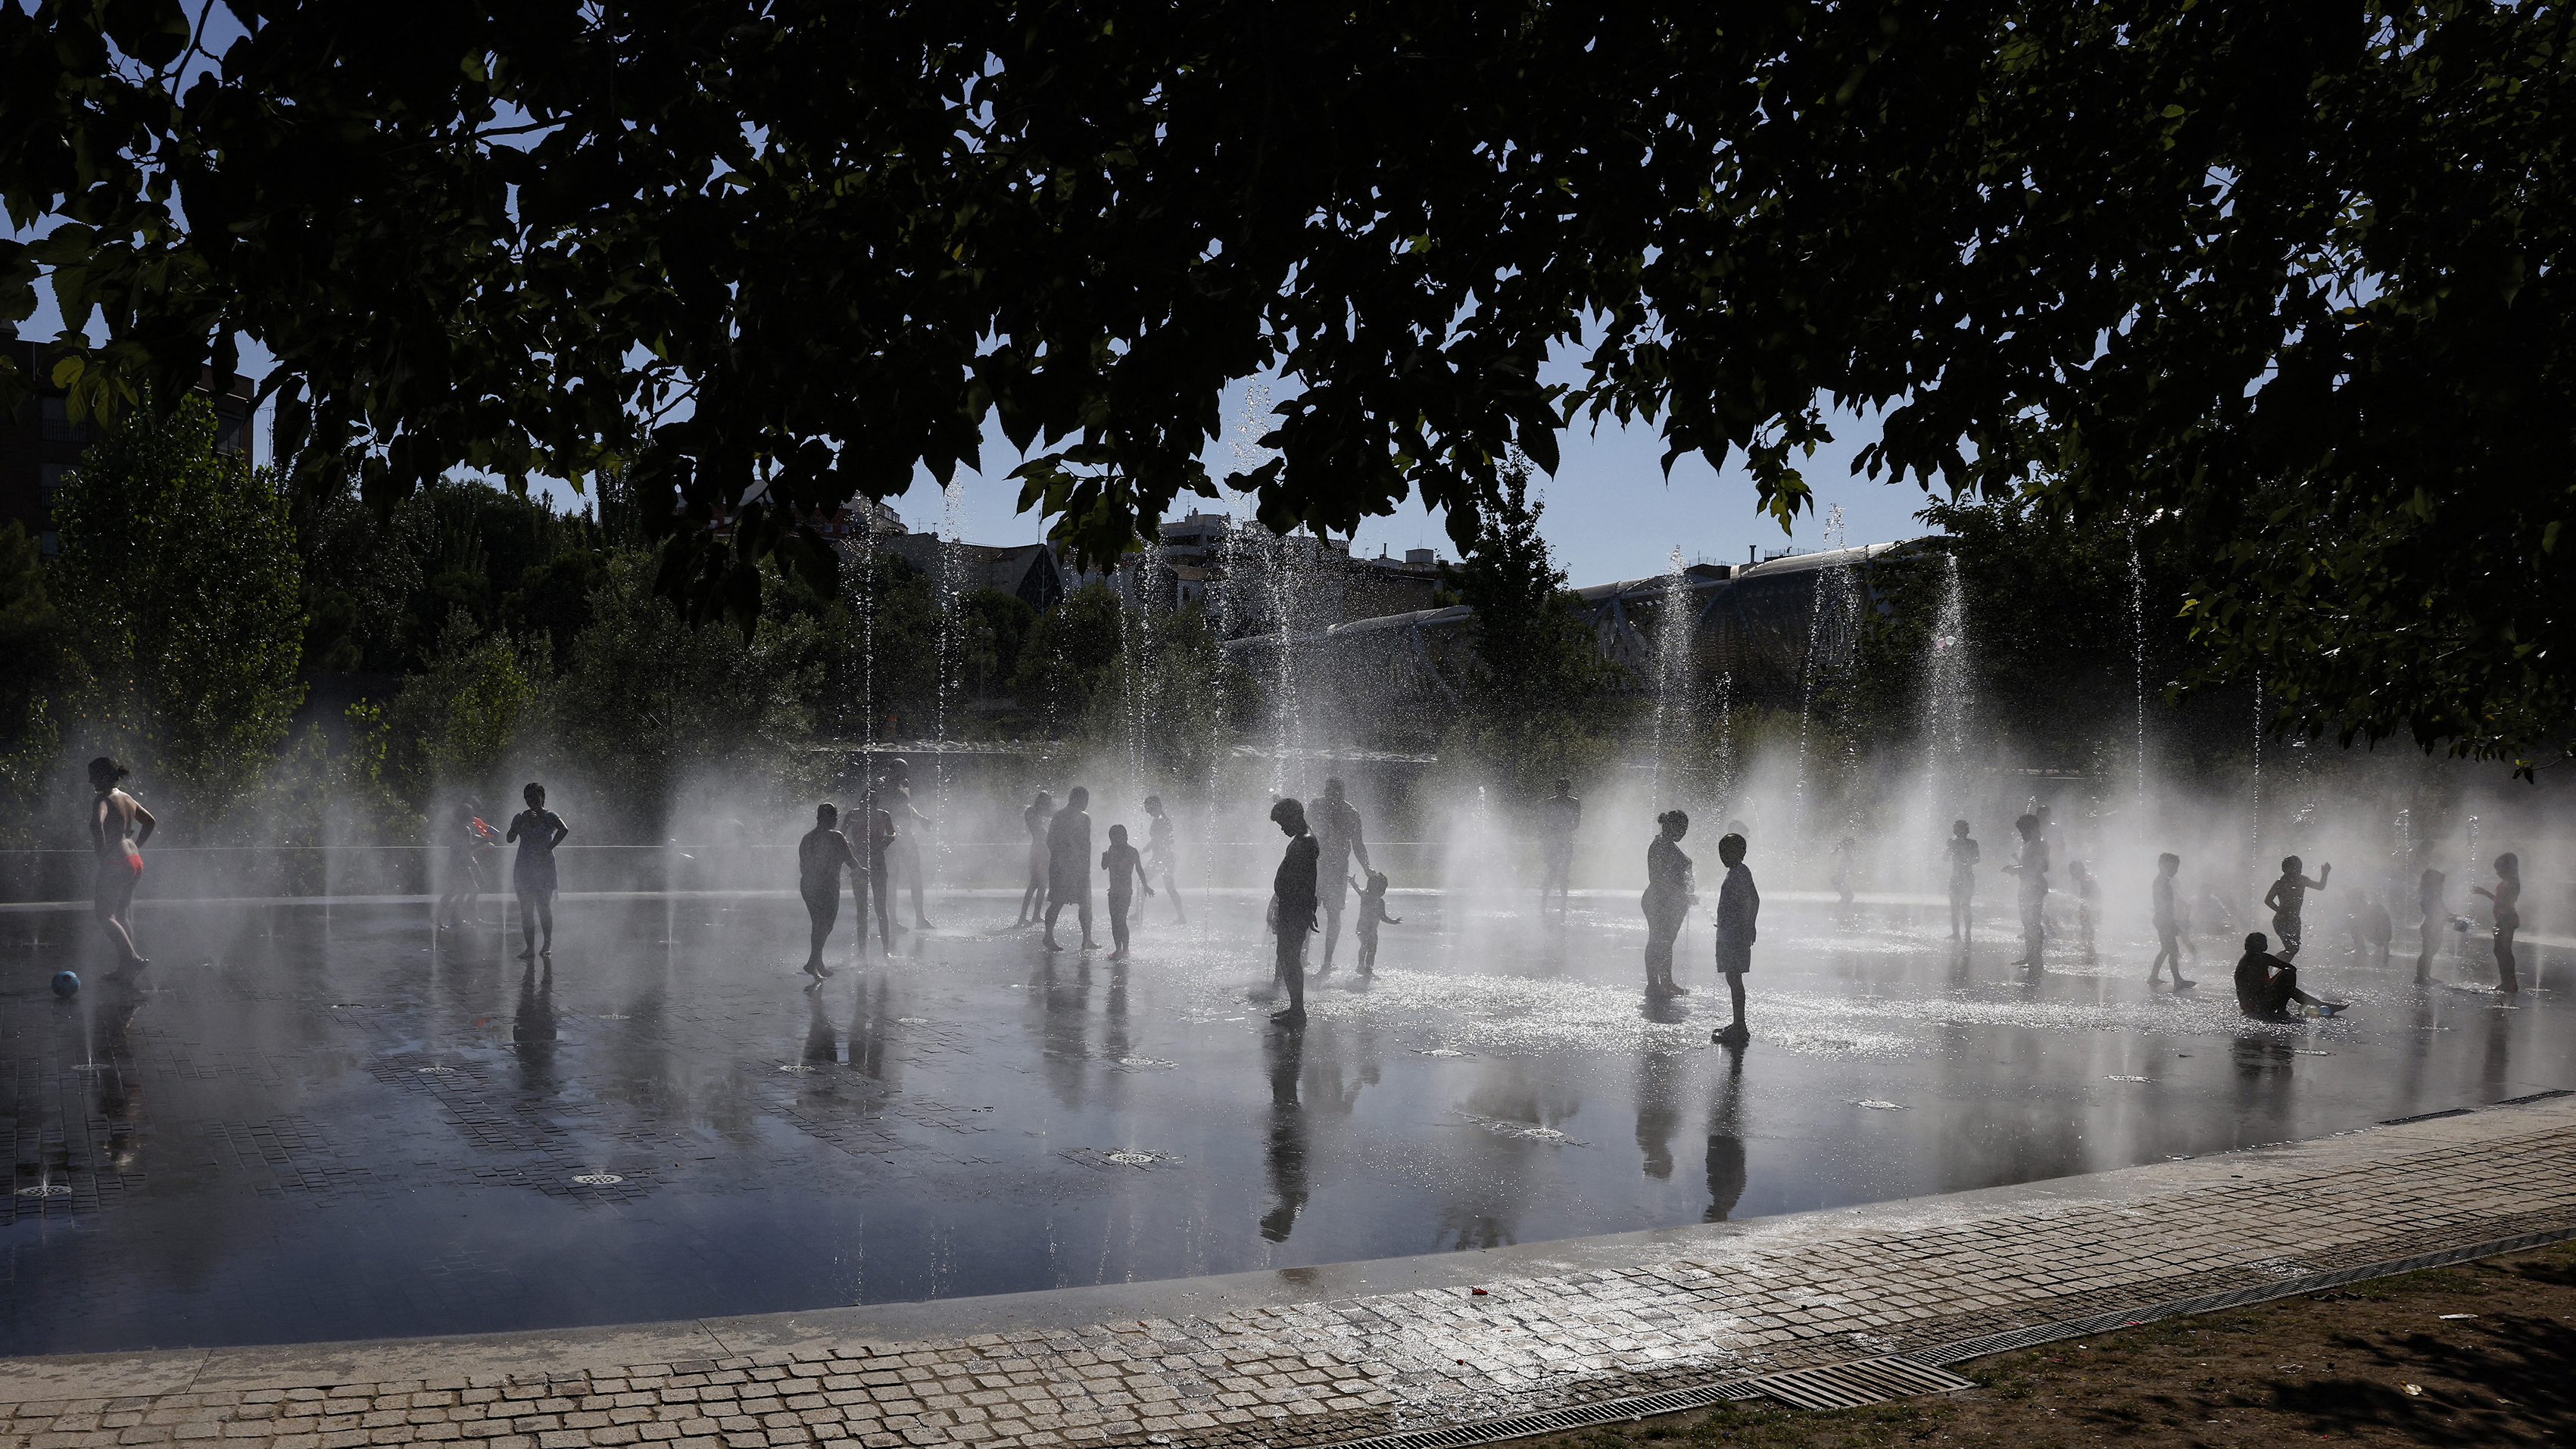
{"type": "Point", "coordinates": [178, 578]}
{"type": "Point", "coordinates": [467, 714]}
{"type": "Point", "coordinates": [1170, 695]}
{"type": "Point", "coordinates": [653, 714]}
{"type": "Point", "coordinates": [2293, 277]}
{"type": "Point", "coordinates": [1068, 656]}
{"type": "Point", "coordinates": [1534, 693]}
{"type": "Point", "coordinates": [880, 649]}
{"type": "Point", "coordinates": [362, 569]}
{"type": "Point", "coordinates": [34, 663]}
{"type": "Point", "coordinates": [995, 626]}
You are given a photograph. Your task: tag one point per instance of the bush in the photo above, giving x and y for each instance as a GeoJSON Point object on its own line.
{"type": "Point", "coordinates": [179, 577]}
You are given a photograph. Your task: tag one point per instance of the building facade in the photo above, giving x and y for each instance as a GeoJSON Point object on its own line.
{"type": "Point", "coordinates": [40, 445]}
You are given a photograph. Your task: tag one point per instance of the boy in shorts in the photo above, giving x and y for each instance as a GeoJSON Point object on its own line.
{"type": "Point", "coordinates": [1737, 904]}
{"type": "Point", "coordinates": [1126, 867]}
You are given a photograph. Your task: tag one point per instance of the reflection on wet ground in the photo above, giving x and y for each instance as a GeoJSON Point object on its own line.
{"type": "Point", "coordinates": [309, 1124]}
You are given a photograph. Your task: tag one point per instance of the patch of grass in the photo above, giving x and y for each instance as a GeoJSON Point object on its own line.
{"type": "Point", "coordinates": [2328, 1366]}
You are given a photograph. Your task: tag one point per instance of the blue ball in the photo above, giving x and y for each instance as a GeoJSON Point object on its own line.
{"type": "Point", "coordinates": [66, 984]}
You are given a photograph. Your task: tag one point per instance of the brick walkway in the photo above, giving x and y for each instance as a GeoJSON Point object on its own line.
{"type": "Point", "coordinates": [1635, 1314]}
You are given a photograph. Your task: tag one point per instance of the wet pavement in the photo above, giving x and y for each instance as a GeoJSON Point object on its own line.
{"type": "Point", "coordinates": [306, 1124]}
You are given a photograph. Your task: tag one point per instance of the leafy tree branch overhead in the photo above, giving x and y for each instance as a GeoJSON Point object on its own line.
{"type": "Point", "coordinates": [2285, 282]}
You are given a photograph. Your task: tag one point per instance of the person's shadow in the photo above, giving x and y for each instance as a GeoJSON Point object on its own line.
{"type": "Point", "coordinates": [1284, 1059]}
{"type": "Point", "coordinates": [822, 1039]}
{"type": "Point", "coordinates": [1658, 1110]}
{"type": "Point", "coordinates": [1726, 1139]}
{"type": "Point", "coordinates": [532, 1029]}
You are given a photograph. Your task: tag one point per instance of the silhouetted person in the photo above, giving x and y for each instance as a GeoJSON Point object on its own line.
{"type": "Point", "coordinates": [2168, 921]}
{"type": "Point", "coordinates": [905, 853]}
{"type": "Point", "coordinates": [465, 851]}
{"type": "Point", "coordinates": [1559, 816]}
{"type": "Point", "coordinates": [1737, 905]}
{"type": "Point", "coordinates": [1126, 871]}
{"type": "Point", "coordinates": [2507, 897]}
{"type": "Point", "coordinates": [2032, 869]}
{"type": "Point", "coordinates": [1338, 841]}
{"type": "Point", "coordinates": [1372, 915]}
{"type": "Point", "coordinates": [877, 880]}
{"type": "Point", "coordinates": [2088, 902]}
{"type": "Point", "coordinates": [118, 826]}
{"type": "Point", "coordinates": [2266, 984]}
{"type": "Point", "coordinates": [532, 874]}
{"type": "Point", "coordinates": [1292, 904]}
{"type": "Point", "coordinates": [1964, 855]}
{"type": "Point", "coordinates": [2437, 914]}
{"type": "Point", "coordinates": [2052, 835]}
{"type": "Point", "coordinates": [1069, 866]}
{"type": "Point", "coordinates": [2287, 898]}
{"type": "Point", "coordinates": [819, 858]}
{"type": "Point", "coordinates": [1669, 895]}
{"type": "Point", "coordinates": [2371, 930]}
{"type": "Point", "coordinates": [1041, 811]}
{"type": "Point", "coordinates": [1844, 850]}
{"type": "Point", "coordinates": [1163, 854]}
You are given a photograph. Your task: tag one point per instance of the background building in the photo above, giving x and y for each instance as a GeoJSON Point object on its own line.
{"type": "Point", "coordinates": [40, 445]}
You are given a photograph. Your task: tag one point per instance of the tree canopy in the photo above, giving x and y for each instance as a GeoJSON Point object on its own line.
{"type": "Point", "coordinates": [2285, 281]}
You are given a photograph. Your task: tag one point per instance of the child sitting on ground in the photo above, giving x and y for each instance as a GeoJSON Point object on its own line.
{"type": "Point", "coordinates": [1372, 911]}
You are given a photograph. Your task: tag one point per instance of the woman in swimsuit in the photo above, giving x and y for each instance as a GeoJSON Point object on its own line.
{"type": "Point", "coordinates": [538, 831]}
{"type": "Point", "coordinates": [118, 826]}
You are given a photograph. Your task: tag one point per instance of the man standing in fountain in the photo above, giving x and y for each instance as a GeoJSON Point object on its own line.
{"type": "Point", "coordinates": [1737, 905]}
{"type": "Point", "coordinates": [1069, 865]}
{"type": "Point", "coordinates": [1292, 905]}
{"type": "Point", "coordinates": [1559, 816]}
{"type": "Point", "coordinates": [118, 826]}
{"type": "Point", "coordinates": [1964, 855]}
{"type": "Point", "coordinates": [2032, 868]}
{"type": "Point", "coordinates": [819, 858]}
{"type": "Point", "coordinates": [1337, 837]}
{"type": "Point", "coordinates": [2288, 897]}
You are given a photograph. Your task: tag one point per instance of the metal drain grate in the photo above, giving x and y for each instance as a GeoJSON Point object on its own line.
{"type": "Point", "coordinates": [1850, 1385]}
{"type": "Point", "coordinates": [1555, 1421]}
{"type": "Point", "coordinates": [2535, 1097]}
{"type": "Point", "coordinates": [2425, 1117]}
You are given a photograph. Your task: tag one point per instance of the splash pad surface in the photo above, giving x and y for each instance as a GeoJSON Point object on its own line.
{"type": "Point", "coordinates": [306, 1124]}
